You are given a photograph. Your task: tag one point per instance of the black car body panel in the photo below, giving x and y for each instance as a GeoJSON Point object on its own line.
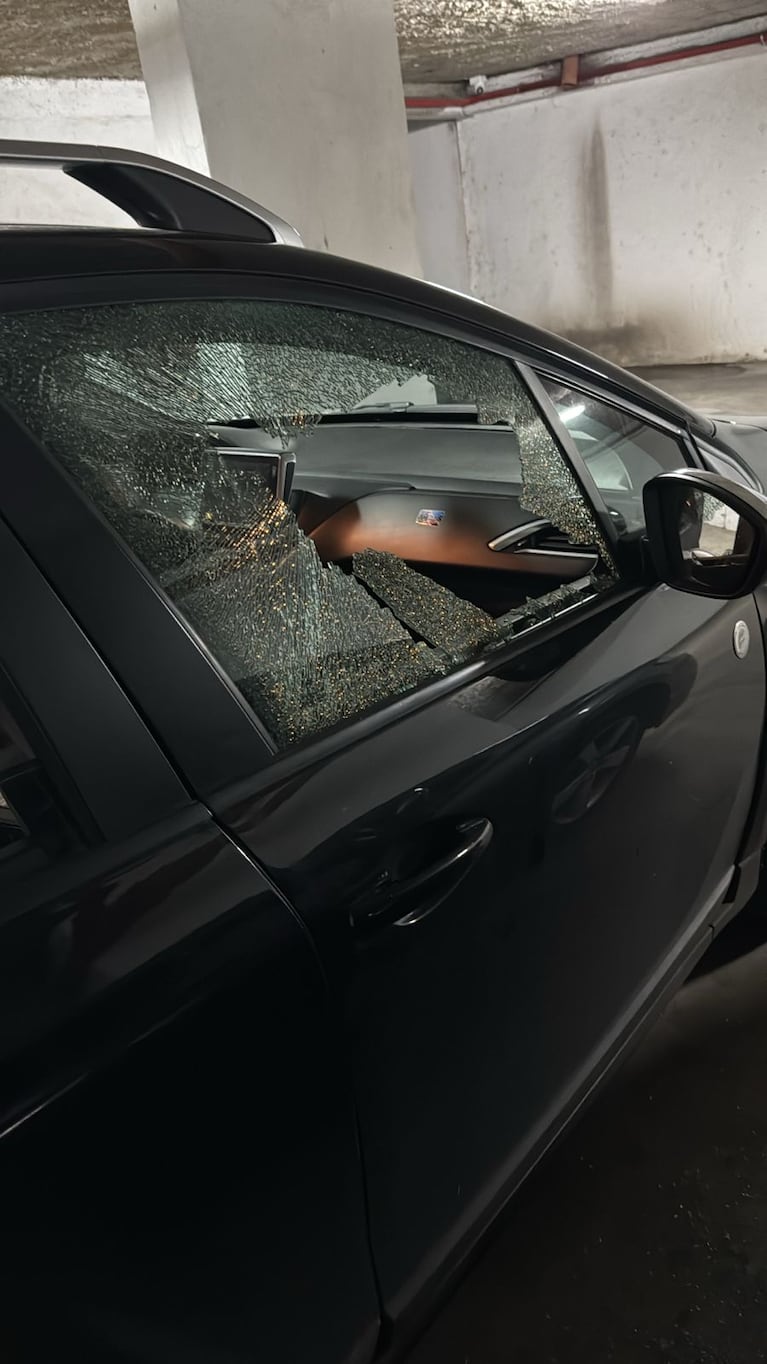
{"type": "Point", "coordinates": [329, 1102]}
{"type": "Point", "coordinates": [182, 1175]}
{"type": "Point", "coordinates": [173, 1177]}
{"type": "Point", "coordinates": [487, 1019]}
{"type": "Point", "coordinates": [748, 440]}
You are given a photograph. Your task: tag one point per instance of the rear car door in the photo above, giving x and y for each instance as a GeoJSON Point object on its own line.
{"type": "Point", "coordinates": [471, 750]}
{"type": "Point", "coordinates": [194, 1181]}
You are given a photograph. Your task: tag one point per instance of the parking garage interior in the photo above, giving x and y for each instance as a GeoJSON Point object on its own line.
{"type": "Point", "coordinates": [597, 169]}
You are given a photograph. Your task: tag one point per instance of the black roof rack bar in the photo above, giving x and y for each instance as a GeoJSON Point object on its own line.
{"type": "Point", "coordinates": [155, 193]}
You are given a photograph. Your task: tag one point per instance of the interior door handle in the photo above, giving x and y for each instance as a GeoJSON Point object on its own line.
{"type": "Point", "coordinates": [517, 534]}
{"type": "Point", "coordinates": [403, 903]}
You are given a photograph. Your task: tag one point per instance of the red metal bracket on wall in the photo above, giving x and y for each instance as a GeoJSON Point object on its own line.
{"type": "Point", "coordinates": [571, 72]}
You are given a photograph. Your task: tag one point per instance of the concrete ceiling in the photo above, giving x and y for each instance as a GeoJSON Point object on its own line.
{"type": "Point", "coordinates": [444, 40]}
{"type": "Point", "coordinates": [440, 40]}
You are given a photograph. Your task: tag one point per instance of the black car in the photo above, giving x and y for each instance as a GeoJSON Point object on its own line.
{"type": "Point", "coordinates": [382, 696]}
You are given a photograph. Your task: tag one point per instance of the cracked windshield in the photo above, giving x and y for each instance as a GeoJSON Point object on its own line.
{"type": "Point", "coordinates": [343, 508]}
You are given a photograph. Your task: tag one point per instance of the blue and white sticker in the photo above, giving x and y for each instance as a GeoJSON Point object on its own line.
{"type": "Point", "coordinates": [427, 516]}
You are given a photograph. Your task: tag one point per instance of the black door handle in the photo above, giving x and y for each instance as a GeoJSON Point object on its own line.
{"type": "Point", "coordinates": [406, 902]}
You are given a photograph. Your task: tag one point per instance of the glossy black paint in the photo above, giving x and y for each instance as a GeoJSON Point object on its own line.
{"type": "Point", "coordinates": [474, 1031]}
{"type": "Point", "coordinates": [749, 446]}
{"type": "Point", "coordinates": [664, 498]}
{"type": "Point", "coordinates": [306, 1113]}
{"type": "Point", "coordinates": [191, 1118]}
{"type": "Point", "coordinates": [159, 1209]}
{"type": "Point", "coordinates": [84, 727]}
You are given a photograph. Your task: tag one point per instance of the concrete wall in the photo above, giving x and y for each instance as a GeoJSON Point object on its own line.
{"type": "Point", "coordinates": [115, 113]}
{"type": "Point", "coordinates": [439, 204]}
{"type": "Point", "coordinates": [296, 103]}
{"type": "Point", "coordinates": [630, 216]}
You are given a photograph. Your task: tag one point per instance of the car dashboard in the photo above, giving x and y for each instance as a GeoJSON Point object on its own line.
{"type": "Point", "coordinates": [447, 500]}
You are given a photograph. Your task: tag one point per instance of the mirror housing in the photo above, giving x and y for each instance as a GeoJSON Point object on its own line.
{"type": "Point", "coordinates": [706, 534]}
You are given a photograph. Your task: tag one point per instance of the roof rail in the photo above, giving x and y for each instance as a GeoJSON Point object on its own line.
{"type": "Point", "coordinates": [155, 193]}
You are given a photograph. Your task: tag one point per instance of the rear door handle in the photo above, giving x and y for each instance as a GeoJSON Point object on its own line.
{"type": "Point", "coordinates": [403, 903]}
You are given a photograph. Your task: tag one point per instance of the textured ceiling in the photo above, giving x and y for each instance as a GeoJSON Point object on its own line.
{"type": "Point", "coordinates": [440, 40]}
{"type": "Point", "coordinates": [67, 38]}
{"type": "Point", "coordinates": [449, 39]}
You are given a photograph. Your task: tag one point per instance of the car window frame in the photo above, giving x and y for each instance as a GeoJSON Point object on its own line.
{"type": "Point", "coordinates": [241, 728]}
{"type": "Point", "coordinates": [79, 762]}
{"type": "Point", "coordinates": [27, 857]}
{"type": "Point", "coordinates": [603, 393]}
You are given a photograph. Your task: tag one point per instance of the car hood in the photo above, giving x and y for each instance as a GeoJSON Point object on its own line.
{"type": "Point", "coordinates": [747, 438]}
{"type": "Point", "coordinates": [725, 419]}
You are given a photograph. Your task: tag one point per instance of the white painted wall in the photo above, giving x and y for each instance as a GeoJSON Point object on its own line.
{"type": "Point", "coordinates": [631, 216]}
{"type": "Point", "coordinates": [298, 104]}
{"type": "Point", "coordinates": [117, 113]}
{"type": "Point", "coordinates": [439, 204]}
{"type": "Point", "coordinates": [114, 113]}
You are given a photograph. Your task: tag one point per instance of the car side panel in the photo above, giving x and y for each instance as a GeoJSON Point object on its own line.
{"type": "Point", "coordinates": [472, 1031]}
{"type": "Point", "coordinates": [200, 1189]}
{"type": "Point", "coordinates": [179, 1167]}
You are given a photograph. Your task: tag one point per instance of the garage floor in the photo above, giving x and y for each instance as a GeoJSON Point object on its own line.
{"type": "Point", "coordinates": [734, 390]}
{"type": "Point", "coordinates": [643, 1238]}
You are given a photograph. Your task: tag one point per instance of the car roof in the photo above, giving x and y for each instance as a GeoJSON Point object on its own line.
{"type": "Point", "coordinates": [45, 253]}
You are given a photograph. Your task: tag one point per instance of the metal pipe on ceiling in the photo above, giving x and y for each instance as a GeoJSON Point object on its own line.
{"type": "Point", "coordinates": [464, 102]}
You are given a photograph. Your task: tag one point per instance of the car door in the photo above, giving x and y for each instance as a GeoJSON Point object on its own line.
{"type": "Point", "coordinates": [179, 1154]}
{"type": "Point", "coordinates": [604, 756]}
{"type": "Point", "coordinates": [507, 818]}
{"type": "Point", "coordinates": [615, 764]}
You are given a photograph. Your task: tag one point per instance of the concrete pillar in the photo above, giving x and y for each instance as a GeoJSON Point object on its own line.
{"type": "Point", "coordinates": [297, 103]}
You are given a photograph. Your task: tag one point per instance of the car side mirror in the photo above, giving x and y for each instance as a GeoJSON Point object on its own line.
{"type": "Point", "coordinates": [706, 534]}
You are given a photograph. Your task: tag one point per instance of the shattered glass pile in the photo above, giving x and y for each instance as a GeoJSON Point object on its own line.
{"type": "Point", "coordinates": [124, 395]}
{"type": "Point", "coordinates": [430, 611]}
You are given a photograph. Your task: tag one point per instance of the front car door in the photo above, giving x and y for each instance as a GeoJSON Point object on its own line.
{"type": "Point", "coordinates": [502, 783]}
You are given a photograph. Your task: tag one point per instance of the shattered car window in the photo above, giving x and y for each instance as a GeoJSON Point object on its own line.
{"type": "Point", "coordinates": [621, 451]}
{"type": "Point", "coordinates": [181, 421]}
